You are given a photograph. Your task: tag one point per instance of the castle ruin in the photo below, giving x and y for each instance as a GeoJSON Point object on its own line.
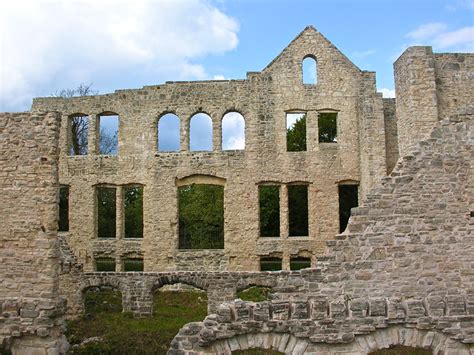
{"type": "Point", "coordinates": [401, 272]}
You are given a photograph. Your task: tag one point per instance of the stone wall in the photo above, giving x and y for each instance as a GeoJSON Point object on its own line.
{"type": "Point", "coordinates": [30, 317]}
{"type": "Point", "coordinates": [404, 265]}
{"type": "Point", "coordinates": [263, 99]}
{"type": "Point", "coordinates": [429, 87]}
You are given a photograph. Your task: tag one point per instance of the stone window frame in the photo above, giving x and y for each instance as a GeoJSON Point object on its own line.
{"type": "Point", "coordinates": [296, 111]}
{"type": "Point", "coordinates": [68, 138]}
{"type": "Point", "coordinates": [287, 232]}
{"type": "Point", "coordinates": [65, 232]}
{"type": "Point", "coordinates": [280, 185]}
{"type": "Point", "coordinates": [97, 132]}
{"type": "Point", "coordinates": [156, 131]}
{"type": "Point", "coordinates": [121, 211]}
{"type": "Point", "coordinates": [284, 209]}
{"type": "Point", "coordinates": [215, 146]}
{"type": "Point", "coordinates": [220, 138]}
{"type": "Point", "coordinates": [199, 179]}
{"type": "Point", "coordinates": [348, 182]}
{"type": "Point", "coordinates": [313, 57]}
{"type": "Point", "coordinates": [338, 128]}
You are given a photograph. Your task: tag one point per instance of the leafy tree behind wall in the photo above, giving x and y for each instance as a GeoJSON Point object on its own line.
{"type": "Point", "coordinates": [201, 216]}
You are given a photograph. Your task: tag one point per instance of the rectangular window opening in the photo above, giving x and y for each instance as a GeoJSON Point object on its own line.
{"type": "Point", "coordinates": [270, 264]}
{"type": "Point", "coordinates": [298, 210]}
{"type": "Point", "coordinates": [106, 212]}
{"type": "Point", "coordinates": [63, 223]}
{"type": "Point", "coordinates": [133, 210]}
{"type": "Point", "coordinates": [201, 216]}
{"type": "Point", "coordinates": [269, 203]}
{"type": "Point", "coordinates": [105, 264]}
{"type": "Point", "coordinates": [108, 134]}
{"type": "Point", "coordinates": [327, 127]}
{"type": "Point", "coordinates": [79, 133]}
{"type": "Point", "coordinates": [296, 132]}
{"type": "Point", "coordinates": [133, 265]}
{"type": "Point", "coordinates": [348, 198]}
{"type": "Point", "coordinates": [298, 263]}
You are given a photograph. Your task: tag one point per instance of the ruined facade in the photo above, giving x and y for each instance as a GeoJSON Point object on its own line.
{"type": "Point", "coordinates": [404, 264]}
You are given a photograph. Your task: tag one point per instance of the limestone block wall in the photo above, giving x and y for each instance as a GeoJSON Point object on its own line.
{"type": "Point", "coordinates": [263, 99]}
{"type": "Point", "coordinates": [31, 311]}
{"type": "Point", "coordinates": [429, 87]}
{"type": "Point", "coordinates": [402, 270]}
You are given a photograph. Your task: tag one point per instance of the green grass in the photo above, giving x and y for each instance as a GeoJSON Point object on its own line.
{"type": "Point", "coordinates": [254, 294]}
{"type": "Point", "coordinates": [123, 334]}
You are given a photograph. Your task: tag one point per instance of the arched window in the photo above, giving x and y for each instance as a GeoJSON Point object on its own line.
{"type": "Point", "coordinates": [200, 137]}
{"type": "Point", "coordinates": [168, 133]}
{"type": "Point", "coordinates": [108, 133]}
{"type": "Point", "coordinates": [78, 134]}
{"type": "Point", "coordinates": [233, 131]}
{"type": "Point", "coordinates": [310, 70]}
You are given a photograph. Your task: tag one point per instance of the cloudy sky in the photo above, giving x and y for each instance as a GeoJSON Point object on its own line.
{"type": "Point", "coordinates": [119, 44]}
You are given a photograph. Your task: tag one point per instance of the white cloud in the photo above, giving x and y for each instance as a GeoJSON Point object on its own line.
{"type": "Point", "coordinates": [59, 44]}
{"type": "Point", "coordinates": [218, 77]}
{"type": "Point", "coordinates": [387, 93]}
{"type": "Point", "coordinates": [233, 131]}
{"type": "Point", "coordinates": [436, 35]}
{"type": "Point", "coordinates": [426, 31]}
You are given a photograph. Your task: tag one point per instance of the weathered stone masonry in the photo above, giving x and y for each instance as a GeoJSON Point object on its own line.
{"type": "Point", "coordinates": [31, 309]}
{"type": "Point", "coordinates": [400, 274]}
{"type": "Point", "coordinates": [263, 99]}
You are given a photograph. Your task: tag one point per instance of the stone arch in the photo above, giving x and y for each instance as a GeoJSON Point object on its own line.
{"type": "Point", "coordinates": [309, 70]}
{"type": "Point", "coordinates": [181, 279]}
{"type": "Point", "coordinates": [287, 343]}
{"type": "Point", "coordinates": [233, 120]}
{"type": "Point", "coordinates": [163, 145]}
{"type": "Point", "coordinates": [203, 122]}
{"type": "Point", "coordinates": [101, 284]}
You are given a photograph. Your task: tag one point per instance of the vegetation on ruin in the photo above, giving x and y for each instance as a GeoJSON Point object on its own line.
{"type": "Point", "coordinates": [121, 333]}
{"type": "Point", "coordinates": [254, 294]}
{"type": "Point", "coordinates": [201, 216]}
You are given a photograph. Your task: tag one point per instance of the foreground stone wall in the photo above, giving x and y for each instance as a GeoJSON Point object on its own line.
{"type": "Point", "coordinates": [30, 317]}
{"type": "Point", "coordinates": [263, 99]}
{"type": "Point", "coordinates": [404, 265]}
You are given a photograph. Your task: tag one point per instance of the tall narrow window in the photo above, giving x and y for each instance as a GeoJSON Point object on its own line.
{"type": "Point", "coordinates": [269, 203]}
{"type": "Point", "coordinates": [108, 133]}
{"type": "Point", "coordinates": [133, 207]}
{"type": "Point", "coordinates": [299, 262]}
{"type": "Point", "coordinates": [106, 212]}
{"type": "Point", "coordinates": [78, 134]}
{"type": "Point", "coordinates": [270, 264]}
{"type": "Point", "coordinates": [63, 225]}
{"type": "Point", "coordinates": [201, 216]}
{"type": "Point", "coordinates": [133, 264]}
{"type": "Point", "coordinates": [327, 127]}
{"type": "Point", "coordinates": [200, 137]}
{"type": "Point", "coordinates": [298, 210]}
{"type": "Point", "coordinates": [233, 131]}
{"type": "Point", "coordinates": [348, 198]}
{"type": "Point", "coordinates": [310, 71]}
{"type": "Point", "coordinates": [105, 264]}
{"type": "Point", "coordinates": [296, 132]}
{"type": "Point", "coordinates": [168, 133]}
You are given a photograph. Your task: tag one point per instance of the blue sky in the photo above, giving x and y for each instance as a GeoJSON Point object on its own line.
{"type": "Point", "coordinates": [50, 45]}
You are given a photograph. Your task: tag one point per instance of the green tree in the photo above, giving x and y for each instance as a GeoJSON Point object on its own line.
{"type": "Point", "coordinates": [296, 136]}
{"type": "Point", "coordinates": [201, 216]}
